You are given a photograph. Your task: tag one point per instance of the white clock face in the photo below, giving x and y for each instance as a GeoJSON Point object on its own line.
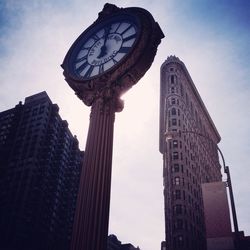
{"type": "Point", "coordinates": [104, 48]}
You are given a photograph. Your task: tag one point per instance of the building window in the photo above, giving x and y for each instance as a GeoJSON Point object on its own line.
{"type": "Point", "coordinates": [172, 79]}
{"type": "Point", "coordinates": [177, 181]}
{"type": "Point", "coordinates": [179, 241]}
{"type": "Point", "coordinates": [181, 90]}
{"type": "Point", "coordinates": [175, 143]}
{"type": "Point", "coordinates": [179, 224]}
{"type": "Point", "coordinates": [191, 107]}
{"type": "Point", "coordinates": [41, 110]}
{"type": "Point", "coordinates": [176, 168]}
{"type": "Point", "coordinates": [187, 100]}
{"type": "Point", "coordinates": [174, 122]}
{"type": "Point", "coordinates": [178, 209]}
{"type": "Point", "coordinates": [175, 155]}
{"type": "Point", "coordinates": [173, 111]}
{"type": "Point", "coordinates": [172, 101]}
{"type": "Point", "coordinates": [184, 195]}
{"type": "Point", "coordinates": [177, 194]}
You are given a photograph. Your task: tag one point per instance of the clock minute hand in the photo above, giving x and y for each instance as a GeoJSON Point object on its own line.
{"type": "Point", "coordinates": [106, 33]}
{"type": "Point", "coordinates": [104, 47]}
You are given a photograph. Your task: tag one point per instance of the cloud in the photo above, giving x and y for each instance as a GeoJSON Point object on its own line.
{"type": "Point", "coordinates": [35, 42]}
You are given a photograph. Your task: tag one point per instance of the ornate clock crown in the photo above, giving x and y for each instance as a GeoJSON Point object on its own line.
{"type": "Point", "coordinates": [108, 9]}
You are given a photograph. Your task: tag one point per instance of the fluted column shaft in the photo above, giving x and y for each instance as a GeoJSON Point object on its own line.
{"type": "Point", "coordinates": [91, 221]}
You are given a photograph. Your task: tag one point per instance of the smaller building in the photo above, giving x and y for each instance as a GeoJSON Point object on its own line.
{"type": "Point", "coordinates": [217, 216]}
{"type": "Point", "coordinates": [115, 244]}
{"type": "Point", "coordinates": [244, 243]}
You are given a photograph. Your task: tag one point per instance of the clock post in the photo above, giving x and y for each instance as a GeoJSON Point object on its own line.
{"type": "Point", "coordinates": [92, 212]}
{"type": "Point", "coordinates": [105, 61]}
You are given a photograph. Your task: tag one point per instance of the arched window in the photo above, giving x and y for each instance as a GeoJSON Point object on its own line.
{"type": "Point", "coordinates": [173, 111]}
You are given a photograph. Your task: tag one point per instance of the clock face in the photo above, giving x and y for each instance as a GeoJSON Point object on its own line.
{"type": "Point", "coordinates": [103, 47]}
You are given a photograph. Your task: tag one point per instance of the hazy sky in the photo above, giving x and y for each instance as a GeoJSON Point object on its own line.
{"type": "Point", "coordinates": [212, 38]}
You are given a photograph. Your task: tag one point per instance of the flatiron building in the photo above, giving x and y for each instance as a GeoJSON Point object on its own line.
{"type": "Point", "coordinates": [190, 158]}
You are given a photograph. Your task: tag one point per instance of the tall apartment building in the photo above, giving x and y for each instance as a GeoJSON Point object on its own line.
{"type": "Point", "coordinates": [40, 164]}
{"type": "Point", "coordinates": [189, 159]}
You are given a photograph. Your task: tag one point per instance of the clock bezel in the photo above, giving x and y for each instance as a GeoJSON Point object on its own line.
{"type": "Point", "coordinates": [69, 61]}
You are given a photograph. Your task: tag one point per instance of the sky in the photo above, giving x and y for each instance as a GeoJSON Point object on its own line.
{"type": "Point", "coordinates": [212, 38]}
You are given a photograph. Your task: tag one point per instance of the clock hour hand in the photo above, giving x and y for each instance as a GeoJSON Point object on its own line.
{"type": "Point", "coordinates": [103, 52]}
{"type": "Point", "coordinates": [104, 47]}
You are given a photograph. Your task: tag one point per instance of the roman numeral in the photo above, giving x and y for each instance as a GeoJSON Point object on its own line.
{"type": "Point", "coordinates": [89, 71]}
{"type": "Point", "coordinates": [95, 37]}
{"type": "Point", "coordinates": [101, 69]}
{"type": "Point", "coordinates": [81, 68]}
{"type": "Point", "coordinates": [129, 37]}
{"type": "Point", "coordinates": [117, 28]}
{"type": "Point", "coordinates": [81, 59]}
{"type": "Point", "coordinates": [126, 29]}
{"type": "Point", "coordinates": [114, 61]}
{"type": "Point", "coordinates": [124, 49]}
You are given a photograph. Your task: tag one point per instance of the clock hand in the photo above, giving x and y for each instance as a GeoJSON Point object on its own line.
{"type": "Point", "coordinates": [106, 33]}
{"type": "Point", "coordinates": [104, 47]}
{"type": "Point", "coordinates": [103, 52]}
